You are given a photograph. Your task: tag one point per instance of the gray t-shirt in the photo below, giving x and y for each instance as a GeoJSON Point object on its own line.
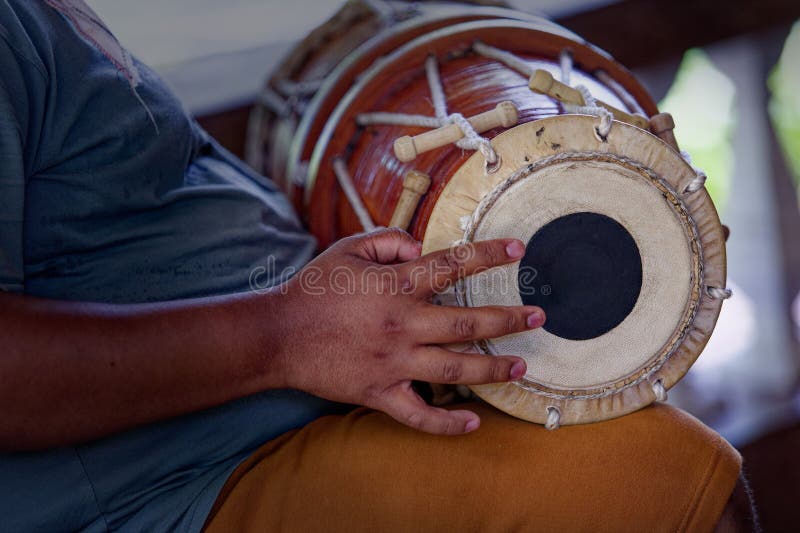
{"type": "Point", "coordinates": [109, 192]}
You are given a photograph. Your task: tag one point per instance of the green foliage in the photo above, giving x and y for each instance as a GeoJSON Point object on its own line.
{"type": "Point", "coordinates": [701, 100]}
{"type": "Point", "coordinates": [784, 106]}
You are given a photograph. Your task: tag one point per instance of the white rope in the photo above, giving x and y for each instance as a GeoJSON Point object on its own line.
{"type": "Point", "coordinates": [349, 189]}
{"type": "Point", "coordinates": [553, 418]}
{"type": "Point", "coordinates": [696, 184]}
{"type": "Point", "coordinates": [397, 119]}
{"type": "Point", "coordinates": [275, 103]}
{"type": "Point", "coordinates": [470, 140]}
{"type": "Point", "coordinates": [590, 107]}
{"type": "Point", "coordinates": [615, 87]}
{"type": "Point", "coordinates": [437, 91]}
{"type": "Point", "coordinates": [507, 58]}
{"type": "Point", "coordinates": [659, 390]}
{"type": "Point", "coordinates": [300, 174]}
{"type": "Point", "coordinates": [297, 88]}
{"type": "Point", "coordinates": [383, 9]}
{"type": "Point", "coordinates": [698, 181]}
{"type": "Point", "coordinates": [719, 293]}
{"type": "Point", "coordinates": [565, 58]}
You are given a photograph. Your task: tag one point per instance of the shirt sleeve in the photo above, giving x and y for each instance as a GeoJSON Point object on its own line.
{"type": "Point", "coordinates": [14, 105]}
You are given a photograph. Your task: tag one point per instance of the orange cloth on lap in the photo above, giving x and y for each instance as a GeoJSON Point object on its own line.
{"type": "Point", "coordinates": [658, 469]}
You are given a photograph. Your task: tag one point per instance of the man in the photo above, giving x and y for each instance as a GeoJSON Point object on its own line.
{"type": "Point", "coordinates": [138, 371]}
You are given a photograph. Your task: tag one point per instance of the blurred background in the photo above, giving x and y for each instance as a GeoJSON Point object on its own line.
{"type": "Point", "coordinates": [729, 72]}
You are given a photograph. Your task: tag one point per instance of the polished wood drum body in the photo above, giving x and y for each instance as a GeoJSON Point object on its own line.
{"type": "Point", "coordinates": [309, 83]}
{"type": "Point", "coordinates": [369, 138]}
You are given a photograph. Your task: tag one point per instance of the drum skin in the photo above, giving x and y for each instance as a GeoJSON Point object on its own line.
{"type": "Point", "coordinates": [680, 241]}
{"type": "Point", "coordinates": [359, 72]}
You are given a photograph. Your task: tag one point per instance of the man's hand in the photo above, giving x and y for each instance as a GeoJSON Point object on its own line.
{"type": "Point", "coordinates": [358, 326]}
{"type": "Point", "coordinates": [355, 325]}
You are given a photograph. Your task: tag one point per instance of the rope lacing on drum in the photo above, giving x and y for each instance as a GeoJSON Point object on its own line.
{"type": "Point", "coordinates": [700, 177]}
{"type": "Point", "coordinates": [659, 390]}
{"type": "Point", "coordinates": [719, 293]}
{"type": "Point", "coordinates": [565, 60]}
{"type": "Point", "coordinates": [694, 185]}
{"type": "Point", "coordinates": [470, 141]}
{"type": "Point", "coordinates": [553, 418]}
{"type": "Point", "coordinates": [383, 9]}
{"type": "Point", "coordinates": [396, 119]}
{"type": "Point", "coordinates": [275, 103]}
{"type": "Point", "coordinates": [350, 192]}
{"type": "Point", "coordinates": [507, 58]}
{"type": "Point", "coordinates": [290, 88]}
{"type": "Point", "coordinates": [285, 97]}
{"type": "Point", "coordinates": [590, 107]}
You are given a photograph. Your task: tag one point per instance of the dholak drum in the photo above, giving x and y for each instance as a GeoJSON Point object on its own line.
{"type": "Point", "coordinates": [479, 123]}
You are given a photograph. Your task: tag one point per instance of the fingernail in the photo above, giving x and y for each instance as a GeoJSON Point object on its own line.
{"type": "Point", "coordinates": [517, 370]}
{"type": "Point", "coordinates": [472, 425]}
{"type": "Point", "coordinates": [515, 250]}
{"type": "Point", "coordinates": [535, 319]}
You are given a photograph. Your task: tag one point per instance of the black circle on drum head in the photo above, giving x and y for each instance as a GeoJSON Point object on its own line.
{"type": "Point", "coordinates": [585, 271]}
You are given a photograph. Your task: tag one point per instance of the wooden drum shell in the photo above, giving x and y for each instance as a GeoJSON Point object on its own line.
{"type": "Point", "coordinates": [387, 73]}
{"type": "Point", "coordinates": [279, 144]}
{"type": "Point", "coordinates": [472, 84]}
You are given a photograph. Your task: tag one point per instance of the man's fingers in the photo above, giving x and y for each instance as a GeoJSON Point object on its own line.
{"type": "Point", "coordinates": [438, 365]}
{"type": "Point", "coordinates": [435, 324]}
{"type": "Point", "coordinates": [436, 271]}
{"type": "Point", "coordinates": [387, 246]}
{"type": "Point", "coordinates": [405, 406]}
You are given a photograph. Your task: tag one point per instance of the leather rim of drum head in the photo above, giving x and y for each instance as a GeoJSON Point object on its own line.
{"type": "Point", "coordinates": [423, 45]}
{"type": "Point", "coordinates": [442, 13]}
{"type": "Point", "coordinates": [630, 164]}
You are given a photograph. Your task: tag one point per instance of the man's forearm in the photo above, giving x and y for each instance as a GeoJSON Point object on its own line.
{"type": "Point", "coordinates": [72, 371]}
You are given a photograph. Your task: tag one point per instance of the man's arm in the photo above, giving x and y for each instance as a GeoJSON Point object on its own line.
{"type": "Point", "coordinates": [72, 372]}
{"type": "Point", "coordinates": [75, 371]}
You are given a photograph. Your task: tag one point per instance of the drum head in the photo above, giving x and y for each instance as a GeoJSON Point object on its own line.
{"type": "Point", "coordinates": [619, 255]}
